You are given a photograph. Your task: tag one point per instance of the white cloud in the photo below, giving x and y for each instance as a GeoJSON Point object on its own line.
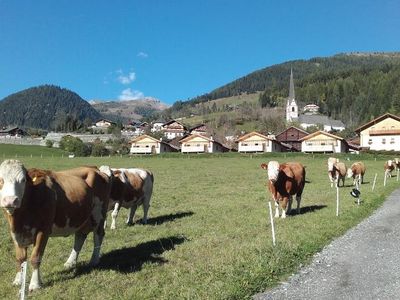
{"type": "Point", "coordinates": [129, 94]}
{"type": "Point", "coordinates": [142, 55]}
{"type": "Point", "coordinates": [126, 79]}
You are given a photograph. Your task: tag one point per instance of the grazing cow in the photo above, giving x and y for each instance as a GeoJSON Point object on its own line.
{"type": "Point", "coordinates": [357, 171]}
{"type": "Point", "coordinates": [338, 172]}
{"type": "Point", "coordinates": [130, 189]}
{"type": "Point", "coordinates": [331, 173]}
{"type": "Point", "coordinates": [397, 163]}
{"type": "Point", "coordinates": [39, 204]}
{"type": "Point", "coordinates": [285, 180]}
{"type": "Point", "coordinates": [389, 167]}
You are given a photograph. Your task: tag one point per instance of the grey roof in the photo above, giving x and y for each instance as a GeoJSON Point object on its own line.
{"type": "Point", "coordinates": [320, 119]}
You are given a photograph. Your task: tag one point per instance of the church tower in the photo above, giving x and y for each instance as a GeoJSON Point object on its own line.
{"type": "Point", "coordinates": [292, 110]}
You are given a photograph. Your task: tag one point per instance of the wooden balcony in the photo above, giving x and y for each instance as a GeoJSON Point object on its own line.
{"type": "Point", "coordinates": [384, 132]}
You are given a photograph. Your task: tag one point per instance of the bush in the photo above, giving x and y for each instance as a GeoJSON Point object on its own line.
{"type": "Point", "coordinates": [98, 149]}
{"type": "Point", "coordinates": [75, 145]}
{"type": "Point", "coordinates": [49, 143]}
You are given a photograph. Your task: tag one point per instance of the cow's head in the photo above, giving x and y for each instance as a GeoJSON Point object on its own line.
{"type": "Point", "coordinates": [349, 173]}
{"type": "Point", "coordinates": [389, 162]}
{"type": "Point", "coordinates": [331, 162]}
{"type": "Point", "coordinates": [12, 184]}
{"type": "Point", "coordinates": [273, 168]}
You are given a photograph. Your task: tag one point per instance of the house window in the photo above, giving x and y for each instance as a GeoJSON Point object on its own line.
{"type": "Point", "coordinates": [292, 108]}
{"type": "Point", "coordinates": [198, 145]}
{"type": "Point", "coordinates": [255, 144]}
{"type": "Point", "coordinates": [244, 144]}
{"type": "Point", "coordinates": [187, 145]}
{"type": "Point", "coordinates": [369, 141]}
{"type": "Point", "coordinates": [392, 140]}
{"type": "Point", "coordinates": [147, 146]}
{"type": "Point", "coordinates": [383, 141]}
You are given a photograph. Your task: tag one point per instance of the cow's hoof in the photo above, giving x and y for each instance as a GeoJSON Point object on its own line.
{"type": "Point", "coordinates": [34, 287]}
{"type": "Point", "coordinates": [18, 279]}
{"type": "Point", "coordinates": [94, 262]}
{"type": "Point", "coordinates": [130, 223]}
{"type": "Point", "coordinates": [70, 265]}
{"type": "Point", "coordinates": [112, 227]}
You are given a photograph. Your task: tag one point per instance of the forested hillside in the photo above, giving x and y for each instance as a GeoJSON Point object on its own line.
{"type": "Point", "coordinates": [352, 87]}
{"type": "Point", "coordinates": [47, 107]}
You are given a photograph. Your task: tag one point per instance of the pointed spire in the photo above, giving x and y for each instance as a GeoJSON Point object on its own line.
{"type": "Point", "coordinates": [291, 86]}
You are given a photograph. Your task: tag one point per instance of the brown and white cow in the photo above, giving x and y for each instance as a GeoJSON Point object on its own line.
{"type": "Point", "coordinates": [331, 174]}
{"type": "Point", "coordinates": [284, 181]}
{"type": "Point", "coordinates": [130, 189]}
{"type": "Point", "coordinates": [39, 204]}
{"type": "Point", "coordinates": [337, 172]}
{"type": "Point", "coordinates": [357, 171]}
{"type": "Point", "coordinates": [388, 167]}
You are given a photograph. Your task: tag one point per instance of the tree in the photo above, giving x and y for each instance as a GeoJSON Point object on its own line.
{"type": "Point", "coordinates": [49, 143]}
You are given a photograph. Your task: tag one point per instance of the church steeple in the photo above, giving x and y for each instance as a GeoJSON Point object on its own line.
{"type": "Point", "coordinates": [292, 110]}
{"type": "Point", "coordinates": [291, 85]}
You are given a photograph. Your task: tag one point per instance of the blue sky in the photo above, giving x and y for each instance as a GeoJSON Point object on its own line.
{"type": "Point", "coordinates": [176, 49]}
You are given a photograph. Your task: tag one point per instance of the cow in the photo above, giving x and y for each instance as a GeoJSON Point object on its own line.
{"type": "Point", "coordinates": [397, 163]}
{"type": "Point", "coordinates": [337, 171]}
{"type": "Point", "coordinates": [130, 188]}
{"type": "Point", "coordinates": [331, 162]}
{"type": "Point", "coordinates": [389, 166]}
{"type": "Point", "coordinates": [39, 204]}
{"type": "Point", "coordinates": [357, 171]}
{"type": "Point", "coordinates": [284, 181]}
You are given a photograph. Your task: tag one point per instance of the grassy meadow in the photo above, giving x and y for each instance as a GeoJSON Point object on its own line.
{"type": "Point", "coordinates": [209, 234]}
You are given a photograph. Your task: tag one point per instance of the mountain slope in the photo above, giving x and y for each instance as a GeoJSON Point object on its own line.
{"type": "Point", "coordinates": [125, 111]}
{"type": "Point", "coordinates": [46, 107]}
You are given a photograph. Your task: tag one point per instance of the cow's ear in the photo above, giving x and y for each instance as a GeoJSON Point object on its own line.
{"type": "Point", "coordinates": [35, 176]}
{"type": "Point", "coordinates": [264, 166]}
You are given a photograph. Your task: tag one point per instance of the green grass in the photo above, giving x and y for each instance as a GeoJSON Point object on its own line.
{"type": "Point", "coordinates": [8, 150]}
{"type": "Point", "coordinates": [208, 236]}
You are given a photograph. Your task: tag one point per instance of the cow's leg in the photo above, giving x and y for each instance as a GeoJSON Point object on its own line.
{"type": "Point", "coordinates": [276, 209]}
{"type": "Point", "coordinates": [98, 236]}
{"type": "Point", "coordinates": [36, 259]}
{"type": "Point", "coordinates": [78, 243]}
{"type": "Point", "coordinates": [132, 211]}
{"type": "Point", "coordinates": [298, 199]}
{"type": "Point", "coordinates": [289, 205]}
{"type": "Point", "coordinates": [284, 204]}
{"type": "Point", "coordinates": [21, 256]}
{"type": "Point", "coordinates": [114, 214]}
{"type": "Point", "coordinates": [146, 206]}
{"type": "Point", "coordinates": [331, 178]}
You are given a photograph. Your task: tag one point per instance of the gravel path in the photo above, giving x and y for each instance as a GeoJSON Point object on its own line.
{"type": "Point", "coordinates": [362, 264]}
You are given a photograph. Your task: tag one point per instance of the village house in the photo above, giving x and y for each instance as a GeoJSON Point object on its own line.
{"type": "Point", "coordinates": [257, 142]}
{"type": "Point", "coordinates": [200, 129]}
{"type": "Point", "coordinates": [323, 142]}
{"type": "Point", "coordinates": [382, 133]}
{"type": "Point", "coordinates": [103, 123]}
{"type": "Point", "coordinates": [196, 143]}
{"type": "Point", "coordinates": [157, 126]}
{"type": "Point", "coordinates": [14, 132]}
{"type": "Point", "coordinates": [145, 144]}
{"type": "Point", "coordinates": [173, 129]}
{"type": "Point", "coordinates": [292, 136]}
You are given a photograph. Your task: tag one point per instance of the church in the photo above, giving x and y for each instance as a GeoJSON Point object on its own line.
{"type": "Point", "coordinates": [310, 116]}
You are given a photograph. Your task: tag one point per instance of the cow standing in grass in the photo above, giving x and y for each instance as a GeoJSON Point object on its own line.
{"type": "Point", "coordinates": [337, 171]}
{"type": "Point", "coordinates": [331, 174]}
{"type": "Point", "coordinates": [357, 171]}
{"type": "Point", "coordinates": [130, 189]}
{"type": "Point", "coordinates": [42, 203]}
{"type": "Point", "coordinates": [284, 181]}
{"type": "Point", "coordinates": [389, 166]}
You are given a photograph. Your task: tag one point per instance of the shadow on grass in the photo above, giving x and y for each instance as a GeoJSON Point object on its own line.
{"type": "Point", "coordinates": [167, 218]}
{"type": "Point", "coordinates": [307, 209]}
{"type": "Point", "coordinates": [125, 260]}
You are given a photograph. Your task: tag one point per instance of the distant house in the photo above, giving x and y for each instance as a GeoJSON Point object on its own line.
{"type": "Point", "coordinates": [323, 142]}
{"type": "Point", "coordinates": [12, 132]}
{"type": "Point", "coordinates": [308, 120]}
{"type": "Point", "coordinates": [311, 109]}
{"type": "Point", "coordinates": [292, 136]}
{"type": "Point", "coordinates": [196, 143]}
{"type": "Point", "coordinates": [200, 129]}
{"type": "Point", "coordinates": [104, 123]}
{"type": "Point", "coordinates": [157, 126]}
{"type": "Point", "coordinates": [257, 142]}
{"type": "Point", "coordinates": [145, 144]}
{"type": "Point", "coordinates": [173, 129]}
{"type": "Point", "coordinates": [382, 133]}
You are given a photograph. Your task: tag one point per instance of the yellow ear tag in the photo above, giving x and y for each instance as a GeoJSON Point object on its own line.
{"type": "Point", "coordinates": [34, 179]}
